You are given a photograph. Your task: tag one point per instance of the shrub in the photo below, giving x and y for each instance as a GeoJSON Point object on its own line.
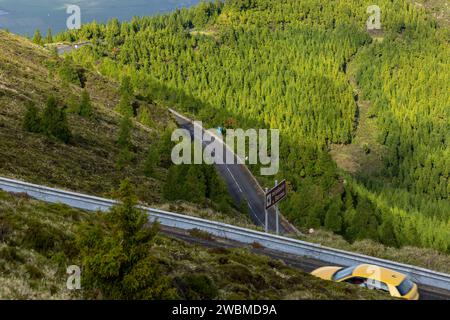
{"type": "Point", "coordinates": [85, 108]}
{"type": "Point", "coordinates": [54, 121]}
{"type": "Point", "coordinates": [197, 287]}
{"type": "Point", "coordinates": [145, 117]}
{"type": "Point", "coordinates": [366, 148]}
{"type": "Point", "coordinates": [32, 119]}
{"type": "Point", "coordinates": [243, 207]}
{"type": "Point", "coordinates": [5, 229]}
{"type": "Point", "coordinates": [11, 254]}
{"type": "Point", "coordinates": [33, 271]}
{"type": "Point", "coordinates": [68, 73]}
{"type": "Point", "coordinates": [44, 238]}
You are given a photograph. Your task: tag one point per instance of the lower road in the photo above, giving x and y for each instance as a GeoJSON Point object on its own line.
{"type": "Point", "coordinates": [241, 185]}
{"type": "Point", "coordinates": [302, 263]}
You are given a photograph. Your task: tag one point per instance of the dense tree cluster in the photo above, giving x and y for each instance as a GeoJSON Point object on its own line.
{"type": "Point", "coordinates": [52, 122]}
{"type": "Point", "coordinates": [196, 184]}
{"type": "Point", "coordinates": [282, 64]}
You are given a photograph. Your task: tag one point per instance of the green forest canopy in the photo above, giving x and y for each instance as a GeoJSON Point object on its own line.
{"type": "Point", "coordinates": [282, 64]}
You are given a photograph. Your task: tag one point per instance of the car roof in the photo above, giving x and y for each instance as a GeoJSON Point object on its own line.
{"type": "Point", "coordinates": [379, 273]}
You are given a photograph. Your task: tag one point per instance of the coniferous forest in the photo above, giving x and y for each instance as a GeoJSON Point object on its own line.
{"type": "Point", "coordinates": [284, 65]}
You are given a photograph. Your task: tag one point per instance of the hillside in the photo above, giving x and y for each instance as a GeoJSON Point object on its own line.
{"type": "Point", "coordinates": [38, 240]}
{"type": "Point", "coordinates": [87, 163]}
{"type": "Point", "coordinates": [105, 146]}
{"type": "Point", "coordinates": [38, 243]}
{"type": "Point", "coordinates": [313, 71]}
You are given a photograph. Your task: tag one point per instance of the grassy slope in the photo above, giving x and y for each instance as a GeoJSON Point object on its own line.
{"type": "Point", "coordinates": [87, 163]}
{"type": "Point", "coordinates": [353, 158]}
{"type": "Point", "coordinates": [440, 9]}
{"type": "Point", "coordinates": [36, 247]}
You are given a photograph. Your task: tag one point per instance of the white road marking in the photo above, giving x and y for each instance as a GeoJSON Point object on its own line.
{"type": "Point", "coordinates": [254, 213]}
{"type": "Point", "coordinates": [237, 184]}
{"type": "Point", "coordinates": [235, 181]}
{"type": "Point", "coordinates": [248, 203]}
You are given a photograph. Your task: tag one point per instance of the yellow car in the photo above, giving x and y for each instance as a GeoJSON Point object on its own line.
{"type": "Point", "coordinates": [372, 277]}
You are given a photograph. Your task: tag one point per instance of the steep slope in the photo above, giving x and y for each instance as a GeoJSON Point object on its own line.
{"type": "Point", "coordinates": [282, 64]}
{"type": "Point", "coordinates": [87, 163]}
{"type": "Point", "coordinates": [104, 147]}
{"type": "Point", "coordinates": [37, 245]}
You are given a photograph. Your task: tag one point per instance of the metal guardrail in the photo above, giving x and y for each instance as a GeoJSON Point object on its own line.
{"type": "Point", "coordinates": [278, 243]}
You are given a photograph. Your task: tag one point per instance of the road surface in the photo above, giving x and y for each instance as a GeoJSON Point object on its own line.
{"type": "Point", "coordinates": [66, 48]}
{"type": "Point", "coordinates": [242, 186]}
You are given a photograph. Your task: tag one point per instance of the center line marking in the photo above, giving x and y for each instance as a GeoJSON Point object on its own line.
{"type": "Point", "coordinates": [254, 213]}
{"type": "Point", "coordinates": [235, 181]}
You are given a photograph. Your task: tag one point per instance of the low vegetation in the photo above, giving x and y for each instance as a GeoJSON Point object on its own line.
{"type": "Point", "coordinates": [39, 240]}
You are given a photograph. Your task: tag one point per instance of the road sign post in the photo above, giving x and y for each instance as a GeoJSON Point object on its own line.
{"type": "Point", "coordinates": [273, 196]}
{"type": "Point", "coordinates": [278, 219]}
{"type": "Point", "coordinates": [277, 226]}
{"type": "Point", "coordinates": [266, 216]}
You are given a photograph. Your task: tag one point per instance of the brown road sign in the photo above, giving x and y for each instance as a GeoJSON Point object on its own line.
{"type": "Point", "coordinates": [276, 194]}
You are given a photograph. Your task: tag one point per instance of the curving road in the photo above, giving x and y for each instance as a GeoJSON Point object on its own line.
{"type": "Point", "coordinates": [241, 184]}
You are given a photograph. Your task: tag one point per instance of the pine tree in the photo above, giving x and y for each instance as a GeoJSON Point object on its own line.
{"type": "Point", "coordinates": [68, 73]}
{"type": "Point", "coordinates": [145, 117]}
{"type": "Point", "coordinates": [387, 233]}
{"type": "Point", "coordinates": [173, 188]}
{"type": "Point", "coordinates": [333, 219]}
{"type": "Point", "coordinates": [49, 37]}
{"type": "Point", "coordinates": [124, 138]}
{"type": "Point", "coordinates": [32, 119]}
{"type": "Point", "coordinates": [151, 161]}
{"type": "Point", "coordinates": [195, 185]}
{"type": "Point", "coordinates": [54, 121]}
{"type": "Point", "coordinates": [243, 207]}
{"type": "Point", "coordinates": [125, 107]}
{"type": "Point", "coordinates": [364, 223]}
{"type": "Point", "coordinates": [85, 108]}
{"type": "Point", "coordinates": [116, 253]}
{"type": "Point", "coordinates": [37, 38]}
{"type": "Point", "coordinates": [125, 86]}
{"type": "Point", "coordinates": [124, 142]}
{"type": "Point", "coordinates": [165, 149]}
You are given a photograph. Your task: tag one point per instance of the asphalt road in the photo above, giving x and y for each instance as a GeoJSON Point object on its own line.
{"type": "Point", "coordinates": [301, 263]}
{"type": "Point", "coordinates": [242, 185]}
{"type": "Point", "coordinates": [66, 48]}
